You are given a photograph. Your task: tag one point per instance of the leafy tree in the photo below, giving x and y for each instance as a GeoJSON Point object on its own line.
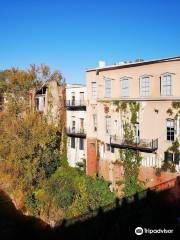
{"type": "Point", "coordinates": [32, 161]}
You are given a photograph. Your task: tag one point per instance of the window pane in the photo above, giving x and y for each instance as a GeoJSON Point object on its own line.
{"type": "Point", "coordinates": [81, 144]}
{"type": "Point", "coordinates": [107, 88]}
{"type": "Point", "coordinates": [94, 91]}
{"type": "Point", "coordinates": [125, 87]}
{"type": "Point", "coordinates": [145, 86]}
{"type": "Point", "coordinates": [72, 142]}
{"type": "Point", "coordinates": [170, 129]}
{"type": "Point", "coordinates": [166, 85]}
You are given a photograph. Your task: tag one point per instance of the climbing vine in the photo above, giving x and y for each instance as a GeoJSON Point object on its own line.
{"type": "Point", "coordinates": [174, 112]}
{"type": "Point", "coordinates": [130, 159]}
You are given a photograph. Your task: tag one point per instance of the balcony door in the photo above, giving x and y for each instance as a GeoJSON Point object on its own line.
{"type": "Point", "coordinates": [136, 133]}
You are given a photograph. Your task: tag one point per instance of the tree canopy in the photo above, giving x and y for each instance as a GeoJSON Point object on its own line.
{"type": "Point", "coordinates": [33, 167]}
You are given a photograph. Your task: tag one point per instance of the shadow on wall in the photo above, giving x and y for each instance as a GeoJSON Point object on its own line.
{"type": "Point", "coordinates": [152, 210]}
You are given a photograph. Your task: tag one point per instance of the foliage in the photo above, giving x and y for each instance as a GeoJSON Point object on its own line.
{"type": "Point", "coordinates": [130, 159]}
{"type": "Point", "coordinates": [134, 108]}
{"type": "Point", "coordinates": [131, 162]}
{"type": "Point", "coordinates": [61, 188]}
{"type": "Point", "coordinates": [32, 204]}
{"type": "Point", "coordinates": [176, 105]}
{"type": "Point", "coordinates": [120, 105]}
{"type": "Point", "coordinates": [174, 147]}
{"type": "Point", "coordinates": [132, 188]}
{"type": "Point", "coordinates": [82, 165]}
{"type": "Point", "coordinates": [158, 171]}
{"type": "Point", "coordinates": [168, 166]}
{"type": "Point", "coordinates": [169, 111]}
{"type": "Point", "coordinates": [33, 158]}
{"type": "Point", "coordinates": [128, 132]}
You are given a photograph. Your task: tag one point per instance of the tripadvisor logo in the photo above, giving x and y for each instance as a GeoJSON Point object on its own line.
{"type": "Point", "coordinates": [140, 230]}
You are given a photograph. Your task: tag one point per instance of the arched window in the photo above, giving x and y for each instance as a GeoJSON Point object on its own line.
{"type": "Point", "coordinates": [145, 86]}
{"type": "Point", "coordinates": [125, 86]}
{"type": "Point", "coordinates": [166, 84]}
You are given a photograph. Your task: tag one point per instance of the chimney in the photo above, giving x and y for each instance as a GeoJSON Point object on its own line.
{"type": "Point", "coordinates": [102, 64]}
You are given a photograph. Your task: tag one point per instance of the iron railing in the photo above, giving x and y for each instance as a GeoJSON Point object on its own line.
{"type": "Point", "coordinates": [144, 144]}
{"type": "Point", "coordinates": [75, 103]}
{"type": "Point", "coordinates": [72, 131]}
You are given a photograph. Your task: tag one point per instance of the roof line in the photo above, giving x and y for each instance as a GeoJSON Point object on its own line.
{"type": "Point", "coordinates": [134, 64]}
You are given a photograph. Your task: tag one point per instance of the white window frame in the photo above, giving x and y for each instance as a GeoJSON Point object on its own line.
{"type": "Point", "coordinates": [107, 88]}
{"type": "Point", "coordinates": [166, 84]}
{"type": "Point", "coordinates": [145, 86]}
{"type": "Point", "coordinates": [125, 86]}
{"type": "Point", "coordinates": [170, 123]}
{"type": "Point", "coordinates": [94, 90]}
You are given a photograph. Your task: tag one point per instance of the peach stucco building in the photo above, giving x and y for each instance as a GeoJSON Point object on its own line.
{"type": "Point", "coordinates": [155, 85]}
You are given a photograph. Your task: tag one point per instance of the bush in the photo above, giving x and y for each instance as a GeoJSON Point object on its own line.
{"type": "Point", "coordinates": [62, 190]}
{"type": "Point", "coordinates": [32, 204]}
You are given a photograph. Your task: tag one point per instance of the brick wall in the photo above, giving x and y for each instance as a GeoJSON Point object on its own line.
{"type": "Point", "coordinates": [91, 157]}
{"type": "Point", "coordinates": [149, 177]}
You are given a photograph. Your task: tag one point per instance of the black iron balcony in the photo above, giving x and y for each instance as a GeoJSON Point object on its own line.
{"type": "Point", "coordinates": [75, 105]}
{"type": "Point", "coordinates": [143, 145]}
{"type": "Point", "coordinates": [74, 132]}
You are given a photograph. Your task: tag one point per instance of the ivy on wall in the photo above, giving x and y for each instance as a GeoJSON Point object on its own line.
{"type": "Point", "coordinates": [130, 159]}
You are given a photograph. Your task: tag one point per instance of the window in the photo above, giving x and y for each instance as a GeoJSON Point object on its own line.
{"type": "Point", "coordinates": [166, 85]}
{"type": "Point", "coordinates": [94, 122]}
{"type": "Point", "coordinates": [73, 124]}
{"type": "Point", "coordinates": [125, 87]}
{"type": "Point", "coordinates": [94, 90]}
{"type": "Point", "coordinates": [108, 148]}
{"type": "Point", "coordinates": [112, 149]}
{"type": "Point", "coordinates": [108, 124]}
{"type": "Point", "coordinates": [73, 98]}
{"type": "Point", "coordinates": [81, 144]}
{"type": "Point", "coordinates": [168, 156]}
{"type": "Point", "coordinates": [176, 158]}
{"type": "Point", "coordinates": [37, 103]}
{"type": "Point", "coordinates": [81, 125]}
{"type": "Point", "coordinates": [81, 98]}
{"type": "Point", "coordinates": [170, 129]}
{"type": "Point", "coordinates": [107, 88]}
{"type": "Point", "coordinates": [172, 157]}
{"type": "Point", "coordinates": [102, 151]}
{"type": "Point", "coordinates": [40, 103]}
{"type": "Point", "coordinates": [145, 86]}
{"type": "Point", "coordinates": [72, 142]}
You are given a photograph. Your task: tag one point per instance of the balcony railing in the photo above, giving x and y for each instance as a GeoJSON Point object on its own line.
{"type": "Point", "coordinates": [74, 132]}
{"type": "Point", "coordinates": [143, 145]}
{"type": "Point", "coordinates": [76, 104]}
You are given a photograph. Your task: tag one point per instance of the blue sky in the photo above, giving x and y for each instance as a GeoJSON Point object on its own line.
{"type": "Point", "coordinates": [71, 35]}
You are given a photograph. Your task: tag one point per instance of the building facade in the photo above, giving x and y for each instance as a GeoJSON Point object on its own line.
{"type": "Point", "coordinates": [153, 88]}
{"type": "Point", "coordinates": [76, 124]}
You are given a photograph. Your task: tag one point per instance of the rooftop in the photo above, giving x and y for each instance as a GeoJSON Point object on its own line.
{"type": "Point", "coordinates": [137, 62]}
{"type": "Point", "coordinates": [75, 85]}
